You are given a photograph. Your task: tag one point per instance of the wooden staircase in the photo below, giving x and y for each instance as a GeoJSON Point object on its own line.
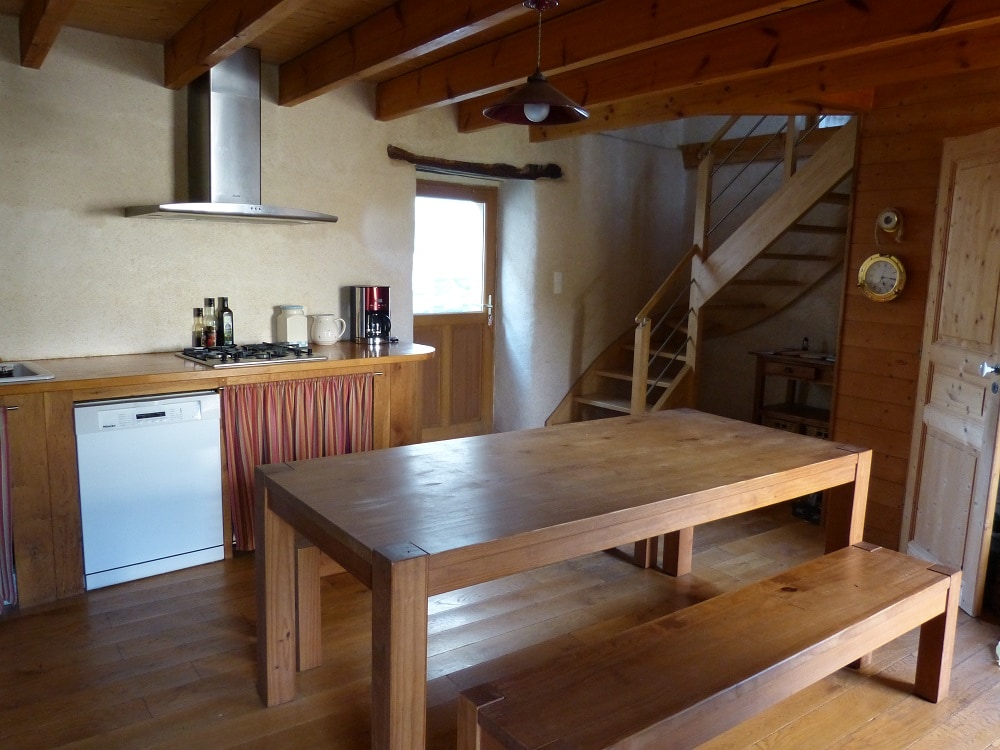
{"type": "Point", "coordinates": [794, 240]}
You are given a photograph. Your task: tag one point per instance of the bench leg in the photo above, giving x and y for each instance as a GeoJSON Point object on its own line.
{"type": "Point", "coordinates": [936, 649]}
{"type": "Point", "coordinates": [678, 548]}
{"type": "Point", "coordinates": [470, 736]}
{"type": "Point", "coordinates": [307, 606]}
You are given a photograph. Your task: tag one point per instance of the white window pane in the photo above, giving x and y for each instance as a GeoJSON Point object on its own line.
{"type": "Point", "coordinates": [448, 250]}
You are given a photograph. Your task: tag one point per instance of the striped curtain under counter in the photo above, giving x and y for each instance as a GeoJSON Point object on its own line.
{"type": "Point", "coordinates": [290, 420]}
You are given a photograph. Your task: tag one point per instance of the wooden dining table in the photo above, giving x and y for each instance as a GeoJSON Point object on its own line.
{"type": "Point", "coordinates": [415, 521]}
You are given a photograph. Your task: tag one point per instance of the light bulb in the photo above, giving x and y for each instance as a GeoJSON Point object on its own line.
{"type": "Point", "coordinates": [536, 112]}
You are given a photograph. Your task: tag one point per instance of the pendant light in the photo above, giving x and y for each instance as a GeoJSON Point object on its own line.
{"type": "Point", "coordinates": [537, 102]}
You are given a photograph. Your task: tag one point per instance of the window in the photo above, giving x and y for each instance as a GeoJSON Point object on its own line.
{"type": "Point", "coordinates": [450, 248]}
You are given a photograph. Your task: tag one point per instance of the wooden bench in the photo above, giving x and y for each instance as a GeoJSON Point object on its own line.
{"type": "Point", "coordinates": [684, 678]}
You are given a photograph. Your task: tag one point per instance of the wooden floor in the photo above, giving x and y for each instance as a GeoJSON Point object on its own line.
{"type": "Point", "coordinates": [169, 662]}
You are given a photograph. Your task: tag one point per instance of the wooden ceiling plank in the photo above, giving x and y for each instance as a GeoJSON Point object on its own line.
{"type": "Point", "coordinates": [592, 34]}
{"type": "Point", "coordinates": [845, 84]}
{"type": "Point", "coordinates": [404, 31]}
{"type": "Point", "coordinates": [783, 42]}
{"type": "Point", "coordinates": [40, 23]}
{"type": "Point", "coordinates": [217, 31]}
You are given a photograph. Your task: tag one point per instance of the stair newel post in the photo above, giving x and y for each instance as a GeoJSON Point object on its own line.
{"type": "Point", "coordinates": [640, 366]}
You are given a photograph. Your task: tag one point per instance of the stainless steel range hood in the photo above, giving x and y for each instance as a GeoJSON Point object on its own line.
{"type": "Point", "coordinates": [224, 151]}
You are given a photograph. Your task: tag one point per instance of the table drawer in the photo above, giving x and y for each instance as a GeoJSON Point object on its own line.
{"type": "Point", "coordinates": [801, 372]}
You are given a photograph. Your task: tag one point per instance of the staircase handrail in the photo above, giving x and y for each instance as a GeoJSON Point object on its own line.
{"type": "Point", "coordinates": [683, 266]}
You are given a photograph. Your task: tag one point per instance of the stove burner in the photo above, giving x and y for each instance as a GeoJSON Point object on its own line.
{"type": "Point", "coordinates": [250, 354]}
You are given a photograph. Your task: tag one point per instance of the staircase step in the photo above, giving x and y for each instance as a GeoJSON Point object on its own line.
{"type": "Point", "coordinates": [653, 347]}
{"type": "Point", "coordinates": [627, 376]}
{"type": "Point", "coordinates": [841, 199]}
{"type": "Point", "coordinates": [765, 282]}
{"type": "Point", "coordinates": [816, 229]}
{"type": "Point", "coordinates": [797, 257]}
{"type": "Point", "coordinates": [603, 401]}
{"type": "Point", "coordinates": [736, 306]}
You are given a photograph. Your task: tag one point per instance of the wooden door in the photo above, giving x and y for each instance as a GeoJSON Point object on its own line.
{"type": "Point", "coordinates": [952, 482]}
{"type": "Point", "coordinates": [457, 383]}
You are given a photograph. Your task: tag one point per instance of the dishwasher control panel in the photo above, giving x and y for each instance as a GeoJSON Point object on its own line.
{"type": "Point", "coordinates": [115, 416]}
{"type": "Point", "coordinates": [116, 419]}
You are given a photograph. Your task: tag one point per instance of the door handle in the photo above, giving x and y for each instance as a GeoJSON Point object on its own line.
{"type": "Point", "coordinates": [986, 369]}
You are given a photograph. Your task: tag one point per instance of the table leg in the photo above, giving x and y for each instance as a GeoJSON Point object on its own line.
{"type": "Point", "coordinates": [307, 606]}
{"type": "Point", "coordinates": [644, 552]}
{"type": "Point", "coordinates": [678, 549]}
{"type": "Point", "coordinates": [275, 574]}
{"type": "Point", "coordinates": [399, 648]}
{"type": "Point", "coordinates": [845, 514]}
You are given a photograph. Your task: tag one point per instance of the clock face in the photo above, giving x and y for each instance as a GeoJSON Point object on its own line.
{"type": "Point", "coordinates": [881, 277]}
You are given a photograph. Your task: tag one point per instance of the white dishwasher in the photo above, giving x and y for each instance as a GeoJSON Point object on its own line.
{"type": "Point", "coordinates": [150, 485]}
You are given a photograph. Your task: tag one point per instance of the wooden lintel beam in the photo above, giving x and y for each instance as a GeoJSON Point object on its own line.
{"type": "Point", "coordinates": [217, 31]}
{"type": "Point", "coordinates": [476, 169]}
{"type": "Point", "coordinates": [649, 111]}
{"type": "Point", "coordinates": [586, 36]}
{"type": "Point", "coordinates": [39, 24]}
{"type": "Point", "coordinates": [402, 32]}
{"type": "Point", "coordinates": [784, 42]}
{"type": "Point", "coordinates": [765, 96]}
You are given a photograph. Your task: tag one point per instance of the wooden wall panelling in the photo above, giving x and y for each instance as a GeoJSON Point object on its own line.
{"type": "Point", "coordinates": [879, 358]}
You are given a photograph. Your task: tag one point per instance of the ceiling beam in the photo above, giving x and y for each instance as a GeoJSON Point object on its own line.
{"type": "Point", "coordinates": [592, 34]}
{"type": "Point", "coordinates": [400, 33]}
{"type": "Point", "coordinates": [833, 84]}
{"type": "Point", "coordinates": [783, 42]}
{"type": "Point", "coordinates": [762, 97]}
{"type": "Point", "coordinates": [39, 25]}
{"type": "Point", "coordinates": [217, 31]}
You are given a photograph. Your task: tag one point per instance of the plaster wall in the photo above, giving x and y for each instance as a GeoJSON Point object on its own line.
{"type": "Point", "coordinates": [94, 131]}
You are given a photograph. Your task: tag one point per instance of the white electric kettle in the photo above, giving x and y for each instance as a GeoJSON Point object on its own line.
{"type": "Point", "coordinates": [326, 328]}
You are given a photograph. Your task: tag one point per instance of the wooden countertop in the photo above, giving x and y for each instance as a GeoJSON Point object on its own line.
{"type": "Point", "coordinates": [161, 371]}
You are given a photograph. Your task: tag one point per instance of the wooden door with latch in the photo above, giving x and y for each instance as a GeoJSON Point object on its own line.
{"type": "Point", "coordinates": [952, 480]}
{"type": "Point", "coordinates": [454, 303]}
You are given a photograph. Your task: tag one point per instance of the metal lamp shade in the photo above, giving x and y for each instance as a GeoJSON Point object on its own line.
{"type": "Point", "coordinates": [537, 93]}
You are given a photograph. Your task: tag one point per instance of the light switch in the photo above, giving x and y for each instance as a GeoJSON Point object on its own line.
{"type": "Point", "coordinates": [557, 282]}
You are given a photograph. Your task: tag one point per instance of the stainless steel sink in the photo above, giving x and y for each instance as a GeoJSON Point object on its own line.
{"type": "Point", "coordinates": [22, 372]}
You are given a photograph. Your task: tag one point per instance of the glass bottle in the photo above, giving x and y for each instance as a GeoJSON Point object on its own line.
{"type": "Point", "coordinates": [198, 328]}
{"type": "Point", "coordinates": [210, 336]}
{"type": "Point", "coordinates": [224, 324]}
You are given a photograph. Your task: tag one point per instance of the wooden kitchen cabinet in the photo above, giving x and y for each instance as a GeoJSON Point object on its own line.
{"type": "Point", "coordinates": [797, 371]}
{"type": "Point", "coordinates": [48, 533]}
{"type": "Point", "coordinates": [48, 552]}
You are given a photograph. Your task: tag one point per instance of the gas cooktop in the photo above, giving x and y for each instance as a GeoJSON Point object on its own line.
{"type": "Point", "coordinates": [245, 355]}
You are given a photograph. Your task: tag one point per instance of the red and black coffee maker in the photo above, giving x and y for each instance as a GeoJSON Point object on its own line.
{"type": "Point", "coordinates": [370, 313]}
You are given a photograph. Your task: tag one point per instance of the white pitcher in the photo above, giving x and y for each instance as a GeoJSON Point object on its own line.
{"type": "Point", "coordinates": [326, 328]}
